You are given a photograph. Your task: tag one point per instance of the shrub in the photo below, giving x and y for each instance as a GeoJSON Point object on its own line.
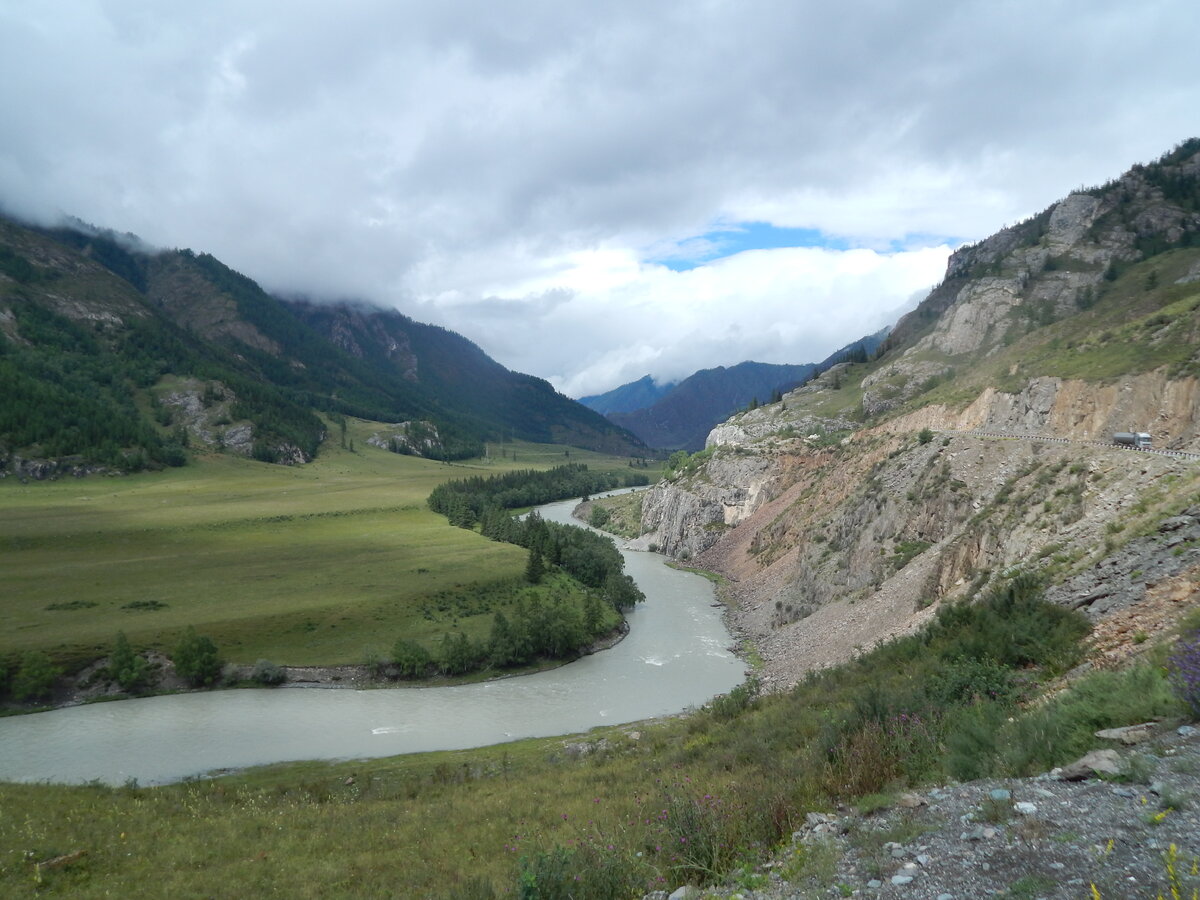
{"type": "Point", "coordinates": [412, 659]}
{"type": "Point", "coordinates": [35, 677]}
{"type": "Point", "coordinates": [593, 870]}
{"type": "Point", "coordinates": [128, 669]}
{"type": "Point", "coordinates": [196, 659]}
{"type": "Point", "coordinates": [963, 680]}
{"type": "Point", "coordinates": [1183, 668]}
{"type": "Point", "coordinates": [267, 673]}
{"type": "Point", "coordinates": [599, 517]}
{"type": "Point", "coordinates": [729, 706]}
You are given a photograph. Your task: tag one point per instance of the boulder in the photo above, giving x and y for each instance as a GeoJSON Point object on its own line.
{"type": "Point", "coordinates": [1098, 762]}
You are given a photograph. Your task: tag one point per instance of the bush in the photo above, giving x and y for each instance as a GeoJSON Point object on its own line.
{"type": "Point", "coordinates": [412, 660]}
{"type": "Point", "coordinates": [267, 673]}
{"type": "Point", "coordinates": [599, 517]}
{"type": "Point", "coordinates": [724, 707]}
{"type": "Point", "coordinates": [35, 677]}
{"type": "Point", "coordinates": [196, 659]}
{"type": "Point", "coordinates": [592, 870]}
{"type": "Point", "coordinates": [1183, 668]}
{"type": "Point", "coordinates": [129, 670]}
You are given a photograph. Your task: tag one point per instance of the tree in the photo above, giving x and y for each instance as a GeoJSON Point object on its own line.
{"type": "Point", "coordinates": [196, 659]}
{"type": "Point", "coordinates": [458, 654]}
{"type": "Point", "coordinates": [535, 568]}
{"type": "Point", "coordinates": [412, 659]}
{"type": "Point", "coordinates": [593, 614]}
{"type": "Point", "coordinates": [128, 669]}
{"type": "Point", "coordinates": [507, 646]}
{"type": "Point", "coordinates": [35, 677]}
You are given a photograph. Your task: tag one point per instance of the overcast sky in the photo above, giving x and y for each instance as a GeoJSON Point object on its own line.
{"type": "Point", "coordinates": [591, 192]}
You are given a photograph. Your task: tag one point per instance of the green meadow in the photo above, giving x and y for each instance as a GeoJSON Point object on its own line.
{"type": "Point", "coordinates": [325, 563]}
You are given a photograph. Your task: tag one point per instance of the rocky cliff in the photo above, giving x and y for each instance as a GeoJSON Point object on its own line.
{"type": "Point", "coordinates": [977, 443]}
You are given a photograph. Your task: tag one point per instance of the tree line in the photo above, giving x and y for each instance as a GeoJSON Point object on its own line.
{"type": "Point", "coordinates": [465, 501]}
{"type": "Point", "coordinates": [535, 627]}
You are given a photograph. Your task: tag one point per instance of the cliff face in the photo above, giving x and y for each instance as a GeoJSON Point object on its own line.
{"type": "Point", "coordinates": [843, 515]}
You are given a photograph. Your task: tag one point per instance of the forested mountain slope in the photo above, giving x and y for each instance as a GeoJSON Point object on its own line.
{"type": "Point", "coordinates": [848, 512]}
{"type": "Point", "coordinates": [117, 356]}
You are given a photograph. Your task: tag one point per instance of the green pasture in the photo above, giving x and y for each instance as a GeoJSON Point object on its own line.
{"type": "Point", "coordinates": [317, 564]}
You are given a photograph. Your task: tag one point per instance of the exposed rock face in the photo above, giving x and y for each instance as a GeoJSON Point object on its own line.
{"type": "Point", "coordinates": [1123, 579]}
{"type": "Point", "coordinates": [844, 538]}
{"type": "Point", "coordinates": [837, 548]}
{"type": "Point", "coordinates": [408, 437]}
{"type": "Point", "coordinates": [193, 303]}
{"type": "Point", "coordinates": [1038, 271]}
{"type": "Point", "coordinates": [1167, 408]}
{"type": "Point", "coordinates": [350, 327]}
{"type": "Point", "coordinates": [685, 517]}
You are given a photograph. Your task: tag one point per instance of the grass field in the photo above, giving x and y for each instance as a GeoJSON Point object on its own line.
{"type": "Point", "coordinates": [317, 564]}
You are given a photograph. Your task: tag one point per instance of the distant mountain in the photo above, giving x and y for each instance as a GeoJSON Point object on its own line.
{"type": "Point", "coordinates": [628, 397]}
{"type": "Point", "coordinates": [683, 415]}
{"type": "Point", "coordinates": [464, 381]}
{"type": "Point", "coordinates": [117, 356]}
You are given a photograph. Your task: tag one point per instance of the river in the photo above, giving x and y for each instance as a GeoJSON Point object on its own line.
{"type": "Point", "coordinates": [675, 656]}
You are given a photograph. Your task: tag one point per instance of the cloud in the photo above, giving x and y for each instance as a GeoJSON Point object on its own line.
{"type": "Point", "coordinates": [436, 157]}
{"type": "Point", "coordinates": [610, 319]}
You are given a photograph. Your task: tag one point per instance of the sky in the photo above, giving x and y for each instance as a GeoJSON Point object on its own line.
{"type": "Point", "coordinates": [591, 192]}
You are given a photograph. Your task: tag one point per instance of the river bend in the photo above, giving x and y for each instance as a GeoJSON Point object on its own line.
{"type": "Point", "coordinates": [675, 656]}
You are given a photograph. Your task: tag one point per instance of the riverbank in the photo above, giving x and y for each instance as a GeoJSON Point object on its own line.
{"type": "Point", "coordinates": [91, 685]}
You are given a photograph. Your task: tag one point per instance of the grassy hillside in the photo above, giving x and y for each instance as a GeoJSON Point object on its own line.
{"type": "Point", "coordinates": [323, 563]}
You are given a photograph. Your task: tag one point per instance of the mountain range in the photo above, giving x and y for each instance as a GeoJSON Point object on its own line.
{"type": "Point", "coordinates": [680, 415]}
{"type": "Point", "coordinates": [117, 356]}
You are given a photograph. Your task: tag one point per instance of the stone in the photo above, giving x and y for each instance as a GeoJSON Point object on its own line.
{"type": "Point", "coordinates": [945, 897]}
{"type": "Point", "coordinates": [687, 892]}
{"type": "Point", "coordinates": [924, 859]}
{"type": "Point", "coordinates": [902, 879]}
{"type": "Point", "coordinates": [1107, 762]}
{"type": "Point", "coordinates": [1130, 734]}
{"type": "Point", "coordinates": [1185, 730]}
{"type": "Point", "coordinates": [874, 883]}
{"type": "Point", "coordinates": [999, 794]}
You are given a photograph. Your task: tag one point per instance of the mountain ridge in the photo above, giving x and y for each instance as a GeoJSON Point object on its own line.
{"type": "Point", "coordinates": [104, 342]}
{"type": "Point", "coordinates": [680, 415]}
{"type": "Point", "coordinates": [850, 511]}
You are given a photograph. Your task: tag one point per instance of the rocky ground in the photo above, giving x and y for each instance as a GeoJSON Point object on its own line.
{"type": "Point", "coordinates": [1044, 837]}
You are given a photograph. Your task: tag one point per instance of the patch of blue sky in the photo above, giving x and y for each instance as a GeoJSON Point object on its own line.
{"type": "Point", "coordinates": [729, 240]}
